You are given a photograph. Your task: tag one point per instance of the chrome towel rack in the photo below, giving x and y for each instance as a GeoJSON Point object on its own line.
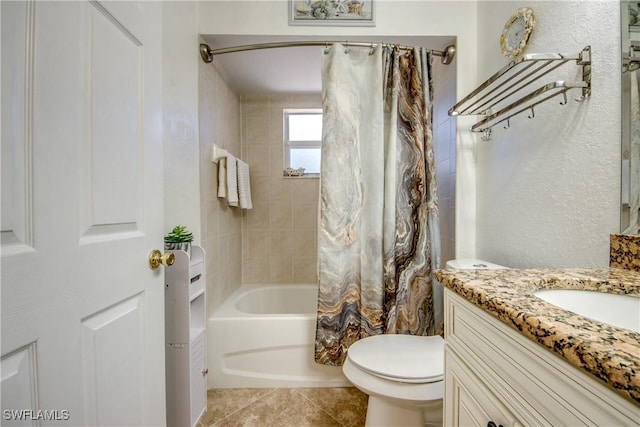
{"type": "Point", "coordinates": [507, 93]}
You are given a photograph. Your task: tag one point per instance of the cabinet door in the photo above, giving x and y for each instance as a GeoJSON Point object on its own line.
{"type": "Point", "coordinates": [197, 384]}
{"type": "Point", "coordinates": [468, 401]}
{"type": "Point", "coordinates": [538, 387]}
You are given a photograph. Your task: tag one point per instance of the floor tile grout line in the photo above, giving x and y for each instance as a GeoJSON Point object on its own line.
{"type": "Point", "coordinates": [269, 391]}
{"type": "Point", "coordinates": [253, 402]}
{"type": "Point", "coordinates": [217, 422]}
{"type": "Point", "coordinates": [318, 407]}
{"type": "Point", "coordinates": [358, 421]}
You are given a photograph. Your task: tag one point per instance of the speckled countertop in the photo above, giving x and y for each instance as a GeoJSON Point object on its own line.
{"type": "Point", "coordinates": [604, 351]}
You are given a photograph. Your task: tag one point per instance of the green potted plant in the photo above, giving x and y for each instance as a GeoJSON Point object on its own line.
{"type": "Point", "coordinates": [179, 239]}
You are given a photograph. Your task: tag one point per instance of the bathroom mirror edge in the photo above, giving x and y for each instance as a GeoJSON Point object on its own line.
{"type": "Point", "coordinates": [630, 121]}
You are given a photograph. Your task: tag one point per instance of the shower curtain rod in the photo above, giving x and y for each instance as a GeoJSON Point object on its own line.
{"type": "Point", "coordinates": [207, 53]}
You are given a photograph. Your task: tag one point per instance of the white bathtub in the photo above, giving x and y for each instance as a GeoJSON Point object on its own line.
{"type": "Point", "coordinates": [263, 337]}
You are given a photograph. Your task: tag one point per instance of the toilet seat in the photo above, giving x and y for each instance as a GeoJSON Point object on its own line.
{"type": "Point", "coordinates": [400, 358]}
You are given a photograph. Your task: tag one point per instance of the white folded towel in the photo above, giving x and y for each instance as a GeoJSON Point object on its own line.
{"type": "Point", "coordinates": [244, 186]}
{"type": "Point", "coordinates": [222, 177]}
{"type": "Point", "coordinates": [228, 179]}
{"type": "Point", "coordinates": [232, 180]}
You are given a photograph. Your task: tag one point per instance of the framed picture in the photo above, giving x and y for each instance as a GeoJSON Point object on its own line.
{"type": "Point", "coordinates": [332, 12]}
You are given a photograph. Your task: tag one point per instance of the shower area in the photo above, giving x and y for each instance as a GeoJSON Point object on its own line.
{"type": "Point", "coordinates": [261, 262]}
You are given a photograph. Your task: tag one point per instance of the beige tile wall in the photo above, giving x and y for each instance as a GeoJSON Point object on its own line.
{"type": "Point", "coordinates": [279, 233]}
{"type": "Point", "coordinates": [219, 122]}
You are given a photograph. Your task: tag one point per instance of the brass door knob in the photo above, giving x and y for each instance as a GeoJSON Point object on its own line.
{"type": "Point", "coordinates": [156, 258]}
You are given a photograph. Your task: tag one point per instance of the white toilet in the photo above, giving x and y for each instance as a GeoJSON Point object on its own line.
{"type": "Point", "coordinates": [403, 374]}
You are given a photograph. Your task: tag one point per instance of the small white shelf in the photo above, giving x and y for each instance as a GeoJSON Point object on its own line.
{"type": "Point", "coordinates": [185, 311]}
{"type": "Point", "coordinates": [195, 333]}
{"type": "Point", "coordinates": [195, 295]}
{"type": "Point", "coordinates": [197, 255]}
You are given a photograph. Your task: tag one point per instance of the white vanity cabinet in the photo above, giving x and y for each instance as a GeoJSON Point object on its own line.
{"type": "Point", "coordinates": [186, 371]}
{"type": "Point", "coordinates": [495, 375]}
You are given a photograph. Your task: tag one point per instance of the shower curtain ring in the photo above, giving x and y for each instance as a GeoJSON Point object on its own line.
{"type": "Point", "coordinates": [346, 45]}
{"type": "Point", "coordinates": [508, 125]}
{"type": "Point", "coordinates": [372, 49]}
{"type": "Point", "coordinates": [486, 134]}
{"type": "Point", "coordinates": [533, 114]}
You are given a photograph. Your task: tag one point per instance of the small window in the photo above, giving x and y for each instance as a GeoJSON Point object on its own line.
{"type": "Point", "coordinates": [302, 139]}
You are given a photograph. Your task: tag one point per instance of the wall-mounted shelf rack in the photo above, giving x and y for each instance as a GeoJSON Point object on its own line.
{"type": "Point", "coordinates": [508, 92]}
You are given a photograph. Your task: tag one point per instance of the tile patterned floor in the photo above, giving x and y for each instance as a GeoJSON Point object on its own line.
{"type": "Point", "coordinates": [285, 407]}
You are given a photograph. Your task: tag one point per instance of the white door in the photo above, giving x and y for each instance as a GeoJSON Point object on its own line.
{"type": "Point", "coordinates": [82, 312]}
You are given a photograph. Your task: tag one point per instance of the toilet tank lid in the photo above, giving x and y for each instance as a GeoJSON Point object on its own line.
{"type": "Point", "coordinates": [472, 264]}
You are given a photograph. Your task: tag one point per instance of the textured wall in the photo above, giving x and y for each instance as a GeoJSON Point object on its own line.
{"type": "Point", "coordinates": [180, 116]}
{"type": "Point", "coordinates": [548, 188]}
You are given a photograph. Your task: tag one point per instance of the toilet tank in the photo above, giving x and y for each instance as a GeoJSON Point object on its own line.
{"type": "Point", "coordinates": [472, 264]}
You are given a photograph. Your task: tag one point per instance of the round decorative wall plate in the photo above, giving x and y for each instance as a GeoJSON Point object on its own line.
{"type": "Point", "coordinates": [516, 33]}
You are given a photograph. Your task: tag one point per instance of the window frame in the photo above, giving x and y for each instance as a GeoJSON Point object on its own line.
{"type": "Point", "coordinates": [289, 144]}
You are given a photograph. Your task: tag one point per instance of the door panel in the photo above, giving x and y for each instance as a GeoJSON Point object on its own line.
{"type": "Point", "coordinates": [113, 181]}
{"type": "Point", "coordinates": [113, 355]}
{"type": "Point", "coordinates": [17, 96]}
{"type": "Point", "coordinates": [19, 376]}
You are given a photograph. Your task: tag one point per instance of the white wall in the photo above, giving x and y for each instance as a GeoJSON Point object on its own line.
{"type": "Point", "coordinates": [198, 109]}
{"type": "Point", "coordinates": [548, 188]}
{"type": "Point", "coordinates": [180, 116]}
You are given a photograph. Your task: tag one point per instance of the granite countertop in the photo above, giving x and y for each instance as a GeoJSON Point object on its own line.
{"type": "Point", "coordinates": [609, 353]}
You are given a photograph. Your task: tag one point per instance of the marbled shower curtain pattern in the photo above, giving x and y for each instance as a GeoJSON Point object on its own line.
{"type": "Point", "coordinates": [409, 296]}
{"type": "Point", "coordinates": [350, 300]}
{"type": "Point", "coordinates": [377, 198]}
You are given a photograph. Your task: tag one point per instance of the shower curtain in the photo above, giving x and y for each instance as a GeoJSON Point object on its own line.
{"type": "Point", "coordinates": [378, 231]}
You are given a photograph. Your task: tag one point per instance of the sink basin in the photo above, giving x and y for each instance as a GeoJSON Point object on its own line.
{"type": "Point", "coordinates": [622, 311]}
